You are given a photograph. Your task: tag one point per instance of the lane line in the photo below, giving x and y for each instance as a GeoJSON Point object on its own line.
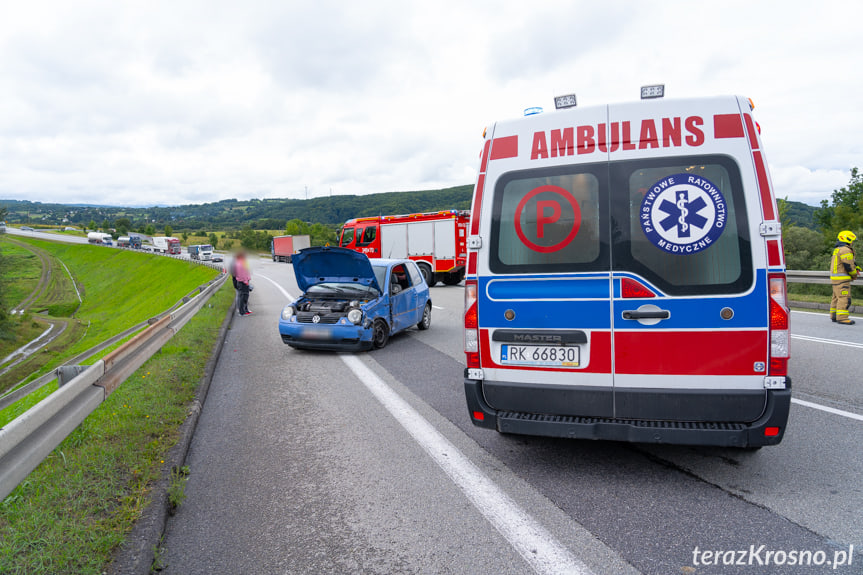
{"type": "Point", "coordinates": [832, 410]}
{"type": "Point", "coordinates": [532, 541]}
{"type": "Point", "coordinates": [824, 313]}
{"type": "Point", "coordinates": [830, 341]}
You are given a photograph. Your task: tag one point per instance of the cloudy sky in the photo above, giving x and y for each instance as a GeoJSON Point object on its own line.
{"type": "Point", "coordinates": [139, 103]}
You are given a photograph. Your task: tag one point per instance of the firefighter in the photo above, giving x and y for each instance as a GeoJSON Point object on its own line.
{"type": "Point", "coordinates": [843, 270]}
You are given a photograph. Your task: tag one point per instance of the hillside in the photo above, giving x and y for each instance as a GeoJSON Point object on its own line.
{"type": "Point", "coordinates": [119, 289]}
{"type": "Point", "coordinates": [234, 214]}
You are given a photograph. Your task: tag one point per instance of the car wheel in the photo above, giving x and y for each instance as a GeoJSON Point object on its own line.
{"type": "Point", "coordinates": [425, 322]}
{"type": "Point", "coordinates": [428, 275]}
{"type": "Point", "coordinates": [380, 334]}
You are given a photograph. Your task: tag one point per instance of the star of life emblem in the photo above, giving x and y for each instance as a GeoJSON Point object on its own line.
{"type": "Point", "coordinates": [683, 214]}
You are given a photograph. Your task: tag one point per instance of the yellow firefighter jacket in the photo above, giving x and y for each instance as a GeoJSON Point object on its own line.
{"type": "Point", "coordinates": [842, 266]}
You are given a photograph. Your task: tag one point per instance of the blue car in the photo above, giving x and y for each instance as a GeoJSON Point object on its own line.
{"type": "Point", "coordinates": [352, 303]}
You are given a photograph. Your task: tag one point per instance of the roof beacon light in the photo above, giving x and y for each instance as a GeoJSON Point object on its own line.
{"type": "Point", "coordinates": [561, 102]}
{"type": "Point", "coordinates": [532, 111]}
{"type": "Point", "coordinates": [650, 92]}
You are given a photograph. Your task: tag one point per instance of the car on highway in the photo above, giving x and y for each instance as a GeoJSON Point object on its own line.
{"type": "Point", "coordinates": [27, 229]}
{"type": "Point", "coordinates": [352, 303]}
{"type": "Point", "coordinates": [217, 258]}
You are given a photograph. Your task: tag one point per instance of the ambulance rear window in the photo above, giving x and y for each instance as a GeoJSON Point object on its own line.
{"type": "Point", "coordinates": [683, 224]}
{"type": "Point", "coordinates": [550, 220]}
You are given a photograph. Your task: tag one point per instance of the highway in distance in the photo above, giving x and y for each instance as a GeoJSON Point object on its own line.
{"type": "Point", "coordinates": [312, 462]}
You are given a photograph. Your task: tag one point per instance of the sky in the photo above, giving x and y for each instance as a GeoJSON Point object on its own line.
{"type": "Point", "coordinates": [143, 103]}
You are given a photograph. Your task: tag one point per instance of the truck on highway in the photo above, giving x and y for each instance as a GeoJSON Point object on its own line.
{"type": "Point", "coordinates": [283, 247]}
{"type": "Point", "coordinates": [133, 242]}
{"type": "Point", "coordinates": [436, 241]}
{"type": "Point", "coordinates": [99, 238]}
{"type": "Point", "coordinates": [167, 245]}
{"type": "Point", "coordinates": [202, 252]}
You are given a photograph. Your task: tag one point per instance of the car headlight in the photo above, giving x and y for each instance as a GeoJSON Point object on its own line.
{"type": "Point", "coordinates": [355, 316]}
{"type": "Point", "coordinates": [287, 313]}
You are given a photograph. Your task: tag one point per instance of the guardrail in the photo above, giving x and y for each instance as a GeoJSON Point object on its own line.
{"type": "Point", "coordinates": [813, 277]}
{"type": "Point", "coordinates": [28, 388]}
{"type": "Point", "coordinates": [31, 437]}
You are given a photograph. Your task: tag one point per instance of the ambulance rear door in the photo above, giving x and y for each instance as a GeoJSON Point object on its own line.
{"type": "Point", "coordinates": [544, 283]}
{"type": "Point", "coordinates": [690, 296]}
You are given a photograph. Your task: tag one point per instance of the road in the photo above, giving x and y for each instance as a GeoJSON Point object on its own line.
{"type": "Point", "coordinates": [324, 463]}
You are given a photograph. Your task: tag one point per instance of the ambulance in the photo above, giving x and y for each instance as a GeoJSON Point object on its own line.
{"type": "Point", "coordinates": [626, 278]}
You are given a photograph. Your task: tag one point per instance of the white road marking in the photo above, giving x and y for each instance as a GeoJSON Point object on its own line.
{"type": "Point", "coordinates": [831, 341]}
{"type": "Point", "coordinates": [832, 410]}
{"type": "Point", "coordinates": [822, 314]}
{"type": "Point", "coordinates": [281, 289]}
{"type": "Point", "coordinates": [532, 541]}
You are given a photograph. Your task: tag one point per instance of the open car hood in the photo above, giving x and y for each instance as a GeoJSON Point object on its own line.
{"type": "Point", "coordinates": [317, 265]}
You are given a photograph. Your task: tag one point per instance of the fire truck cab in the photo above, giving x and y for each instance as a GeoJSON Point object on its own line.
{"type": "Point", "coordinates": [436, 241]}
{"type": "Point", "coordinates": [626, 278]}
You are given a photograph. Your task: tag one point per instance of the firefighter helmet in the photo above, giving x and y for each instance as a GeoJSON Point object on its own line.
{"type": "Point", "coordinates": [847, 237]}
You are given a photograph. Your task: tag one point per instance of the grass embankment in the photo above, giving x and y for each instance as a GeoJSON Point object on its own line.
{"type": "Point", "coordinates": [23, 271]}
{"type": "Point", "coordinates": [79, 504]}
{"type": "Point", "coordinates": [120, 288]}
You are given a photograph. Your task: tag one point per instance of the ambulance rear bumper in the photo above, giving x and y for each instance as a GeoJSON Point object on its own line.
{"type": "Point", "coordinates": [719, 433]}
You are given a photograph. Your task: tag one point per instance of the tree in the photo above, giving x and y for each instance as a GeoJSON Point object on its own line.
{"type": "Point", "coordinates": [297, 227]}
{"type": "Point", "coordinates": [845, 210]}
{"type": "Point", "coordinates": [106, 225]}
{"type": "Point", "coordinates": [185, 236]}
{"type": "Point", "coordinates": [804, 249]}
{"type": "Point", "coordinates": [3, 212]}
{"type": "Point", "coordinates": [214, 240]}
{"type": "Point", "coordinates": [91, 225]}
{"type": "Point", "coordinates": [168, 230]}
{"type": "Point", "coordinates": [150, 230]}
{"type": "Point", "coordinates": [782, 206]}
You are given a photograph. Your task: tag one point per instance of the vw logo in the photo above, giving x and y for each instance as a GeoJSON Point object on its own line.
{"type": "Point", "coordinates": [316, 319]}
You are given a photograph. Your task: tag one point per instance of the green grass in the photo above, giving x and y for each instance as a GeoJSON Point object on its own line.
{"type": "Point", "coordinates": [76, 508]}
{"type": "Point", "coordinates": [22, 272]}
{"type": "Point", "coordinates": [122, 287]}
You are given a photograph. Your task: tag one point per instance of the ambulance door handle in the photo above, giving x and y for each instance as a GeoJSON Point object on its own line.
{"type": "Point", "coordinates": [652, 314]}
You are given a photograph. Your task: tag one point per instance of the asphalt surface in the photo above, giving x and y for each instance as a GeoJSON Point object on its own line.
{"type": "Point", "coordinates": [299, 466]}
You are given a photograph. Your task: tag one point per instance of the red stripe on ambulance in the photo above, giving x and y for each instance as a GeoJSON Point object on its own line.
{"type": "Point", "coordinates": [727, 126]}
{"type": "Point", "coordinates": [502, 148]}
{"type": "Point", "coordinates": [689, 352]}
{"type": "Point", "coordinates": [477, 195]}
{"type": "Point", "coordinates": [774, 253]}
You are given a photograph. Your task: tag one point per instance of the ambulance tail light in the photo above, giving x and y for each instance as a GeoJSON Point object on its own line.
{"type": "Point", "coordinates": [471, 324]}
{"type": "Point", "coordinates": [780, 334]}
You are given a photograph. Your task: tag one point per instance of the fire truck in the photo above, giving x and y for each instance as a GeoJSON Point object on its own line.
{"type": "Point", "coordinates": [436, 241]}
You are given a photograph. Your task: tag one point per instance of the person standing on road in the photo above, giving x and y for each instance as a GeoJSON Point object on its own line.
{"type": "Point", "coordinates": [843, 270]}
{"type": "Point", "coordinates": [242, 280]}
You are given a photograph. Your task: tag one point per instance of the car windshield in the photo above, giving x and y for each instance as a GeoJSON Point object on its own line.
{"type": "Point", "coordinates": [339, 289]}
{"type": "Point", "coordinates": [380, 275]}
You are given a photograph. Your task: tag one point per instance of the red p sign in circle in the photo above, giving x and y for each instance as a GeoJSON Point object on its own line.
{"type": "Point", "coordinates": [550, 213]}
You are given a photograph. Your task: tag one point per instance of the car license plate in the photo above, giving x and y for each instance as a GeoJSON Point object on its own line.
{"type": "Point", "coordinates": [543, 355]}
